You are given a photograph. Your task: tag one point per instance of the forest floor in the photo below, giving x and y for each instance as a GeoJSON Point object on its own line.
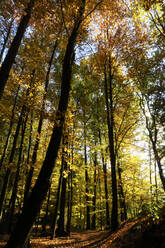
{"type": "Point", "coordinates": [141, 233]}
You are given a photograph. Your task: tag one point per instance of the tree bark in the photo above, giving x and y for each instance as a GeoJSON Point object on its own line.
{"type": "Point", "coordinates": [34, 202]}
{"type": "Point", "coordinates": [13, 50]}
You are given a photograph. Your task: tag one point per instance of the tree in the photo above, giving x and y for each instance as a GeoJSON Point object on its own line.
{"type": "Point", "coordinates": [12, 52]}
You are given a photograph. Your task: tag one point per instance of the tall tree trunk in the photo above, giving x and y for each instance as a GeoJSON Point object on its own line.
{"type": "Point", "coordinates": [53, 227]}
{"type": "Point", "coordinates": [10, 129]}
{"type": "Point", "coordinates": [93, 225]}
{"type": "Point", "coordinates": [46, 213]}
{"type": "Point", "coordinates": [158, 160]}
{"type": "Point", "coordinates": [30, 139]}
{"type": "Point", "coordinates": [15, 186]}
{"type": "Point", "coordinates": [70, 199]}
{"type": "Point", "coordinates": [4, 188]}
{"type": "Point", "coordinates": [39, 129]}
{"type": "Point", "coordinates": [86, 179]}
{"type": "Point", "coordinates": [150, 166]}
{"type": "Point", "coordinates": [8, 171]}
{"type": "Point", "coordinates": [105, 184]}
{"type": "Point", "coordinates": [13, 50]}
{"type": "Point", "coordinates": [121, 195]}
{"type": "Point", "coordinates": [156, 183]}
{"type": "Point", "coordinates": [153, 133]}
{"type": "Point", "coordinates": [60, 231]}
{"type": "Point", "coordinates": [100, 208]}
{"type": "Point", "coordinates": [24, 110]}
{"type": "Point", "coordinates": [34, 202]}
{"type": "Point", "coordinates": [110, 123]}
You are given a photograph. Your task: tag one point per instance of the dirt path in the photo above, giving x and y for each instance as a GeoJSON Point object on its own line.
{"type": "Point", "coordinates": [93, 239]}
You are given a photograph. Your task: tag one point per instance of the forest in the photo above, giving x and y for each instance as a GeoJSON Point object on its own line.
{"type": "Point", "coordinates": [82, 123]}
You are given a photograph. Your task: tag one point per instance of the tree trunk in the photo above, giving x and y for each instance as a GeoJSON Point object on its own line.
{"type": "Point", "coordinates": [34, 202]}
{"type": "Point", "coordinates": [39, 129]}
{"type": "Point", "coordinates": [53, 227]}
{"type": "Point", "coordinates": [46, 213]}
{"type": "Point", "coordinates": [121, 196]}
{"type": "Point", "coordinates": [156, 183]}
{"type": "Point", "coordinates": [7, 175]}
{"type": "Point", "coordinates": [158, 160]}
{"type": "Point", "coordinates": [110, 123]}
{"type": "Point", "coordinates": [153, 132]}
{"type": "Point", "coordinates": [105, 184]}
{"type": "Point", "coordinates": [4, 188]}
{"type": "Point", "coordinates": [86, 179]}
{"type": "Point", "coordinates": [70, 194]}
{"type": "Point", "coordinates": [15, 187]}
{"type": "Point", "coordinates": [150, 166]}
{"type": "Point", "coordinates": [10, 129]}
{"type": "Point", "coordinates": [100, 208]}
{"type": "Point", "coordinates": [24, 110]}
{"type": "Point", "coordinates": [60, 231]}
{"type": "Point", "coordinates": [94, 196]}
{"type": "Point", "coordinates": [13, 50]}
{"type": "Point", "coordinates": [70, 199]}
{"type": "Point", "coordinates": [30, 139]}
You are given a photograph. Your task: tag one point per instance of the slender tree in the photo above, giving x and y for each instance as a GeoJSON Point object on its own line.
{"type": "Point", "coordinates": [13, 50]}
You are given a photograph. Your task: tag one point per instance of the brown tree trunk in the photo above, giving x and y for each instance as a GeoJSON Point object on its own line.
{"type": "Point", "coordinates": [34, 202]}
{"type": "Point", "coordinates": [13, 50]}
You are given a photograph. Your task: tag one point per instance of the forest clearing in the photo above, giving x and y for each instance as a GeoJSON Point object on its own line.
{"type": "Point", "coordinates": [82, 123]}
